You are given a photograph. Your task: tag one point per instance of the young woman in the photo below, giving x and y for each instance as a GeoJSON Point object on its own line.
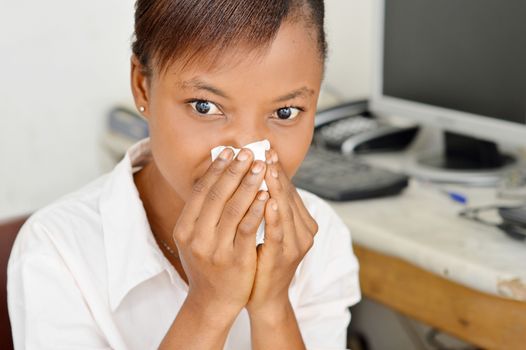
{"type": "Point", "coordinates": [161, 253]}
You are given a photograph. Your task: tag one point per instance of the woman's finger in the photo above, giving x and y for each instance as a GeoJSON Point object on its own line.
{"type": "Point", "coordinates": [308, 220]}
{"type": "Point", "coordinates": [200, 189]}
{"type": "Point", "coordinates": [281, 198]}
{"type": "Point", "coordinates": [239, 203]}
{"type": "Point", "coordinates": [221, 191]}
{"type": "Point", "coordinates": [302, 215]}
{"type": "Point", "coordinates": [274, 233]}
{"type": "Point", "coordinates": [245, 237]}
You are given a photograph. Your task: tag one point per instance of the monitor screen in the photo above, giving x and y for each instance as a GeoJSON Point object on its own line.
{"type": "Point", "coordinates": [464, 55]}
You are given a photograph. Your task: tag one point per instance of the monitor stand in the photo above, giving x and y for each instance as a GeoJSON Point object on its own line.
{"type": "Point", "coordinates": [466, 160]}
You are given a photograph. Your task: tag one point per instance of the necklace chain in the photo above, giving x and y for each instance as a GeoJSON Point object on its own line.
{"type": "Point", "coordinates": [168, 248]}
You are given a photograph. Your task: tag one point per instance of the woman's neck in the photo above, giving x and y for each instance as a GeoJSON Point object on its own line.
{"type": "Point", "coordinates": [161, 203]}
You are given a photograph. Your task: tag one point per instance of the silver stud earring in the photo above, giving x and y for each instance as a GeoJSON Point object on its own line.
{"type": "Point", "coordinates": [142, 109]}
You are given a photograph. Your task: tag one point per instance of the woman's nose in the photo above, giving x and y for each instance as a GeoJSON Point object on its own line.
{"type": "Point", "coordinates": [246, 141]}
{"type": "Point", "coordinates": [245, 133]}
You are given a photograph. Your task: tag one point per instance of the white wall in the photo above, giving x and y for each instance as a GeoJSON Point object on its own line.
{"type": "Point", "coordinates": [349, 30]}
{"type": "Point", "coordinates": [64, 63]}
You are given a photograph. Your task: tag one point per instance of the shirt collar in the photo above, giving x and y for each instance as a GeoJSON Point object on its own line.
{"type": "Point", "coordinates": [132, 253]}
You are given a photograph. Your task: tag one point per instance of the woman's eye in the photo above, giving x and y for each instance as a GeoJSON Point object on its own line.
{"type": "Point", "coordinates": [287, 113]}
{"type": "Point", "coordinates": [205, 107]}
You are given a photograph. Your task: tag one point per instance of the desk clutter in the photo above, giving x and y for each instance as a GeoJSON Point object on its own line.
{"type": "Point", "coordinates": [513, 184]}
{"type": "Point", "coordinates": [423, 226]}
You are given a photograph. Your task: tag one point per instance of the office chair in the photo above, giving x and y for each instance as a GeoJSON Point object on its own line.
{"type": "Point", "coordinates": [8, 231]}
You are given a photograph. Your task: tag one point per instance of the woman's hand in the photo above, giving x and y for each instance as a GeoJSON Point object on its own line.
{"type": "Point", "coordinates": [215, 233]}
{"type": "Point", "coordinates": [289, 234]}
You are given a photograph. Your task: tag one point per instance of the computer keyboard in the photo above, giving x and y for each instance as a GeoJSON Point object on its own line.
{"type": "Point", "coordinates": [337, 177]}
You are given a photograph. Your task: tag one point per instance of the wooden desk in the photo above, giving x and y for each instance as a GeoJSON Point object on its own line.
{"type": "Point", "coordinates": [485, 320]}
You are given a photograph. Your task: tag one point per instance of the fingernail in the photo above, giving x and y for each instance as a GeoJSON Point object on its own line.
{"type": "Point", "coordinates": [268, 158]}
{"type": "Point", "coordinates": [243, 155]}
{"type": "Point", "coordinates": [274, 206]}
{"type": "Point", "coordinates": [225, 154]}
{"type": "Point", "coordinates": [275, 157]}
{"type": "Point", "coordinates": [262, 196]}
{"type": "Point", "coordinates": [257, 168]}
{"type": "Point", "coordinates": [274, 173]}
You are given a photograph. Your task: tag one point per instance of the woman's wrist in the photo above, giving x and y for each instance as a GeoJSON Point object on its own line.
{"type": "Point", "coordinates": [276, 318]}
{"type": "Point", "coordinates": [219, 315]}
{"type": "Point", "coordinates": [199, 325]}
{"type": "Point", "coordinates": [272, 312]}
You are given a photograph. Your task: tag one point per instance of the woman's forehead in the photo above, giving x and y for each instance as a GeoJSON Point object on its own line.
{"type": "Point", "coordinates": [292, 47]}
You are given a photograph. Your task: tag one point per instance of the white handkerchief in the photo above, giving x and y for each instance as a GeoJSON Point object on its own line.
{"type": "Point", "coordinates": [258, 148]}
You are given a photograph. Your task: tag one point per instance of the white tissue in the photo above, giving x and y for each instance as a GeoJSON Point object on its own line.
{"type": "Point", "coordinates": [258, 148]}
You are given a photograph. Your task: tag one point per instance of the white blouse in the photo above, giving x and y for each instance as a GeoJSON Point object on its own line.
{"type": "Point", "coordinates": [86, 273]}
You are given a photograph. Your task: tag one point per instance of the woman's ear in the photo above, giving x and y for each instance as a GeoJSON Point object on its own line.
{"type": "Point", "coordinates": [140, 86]}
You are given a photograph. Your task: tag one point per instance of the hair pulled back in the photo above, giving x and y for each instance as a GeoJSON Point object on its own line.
{"type": "Point", "coordinates": [166, 30]}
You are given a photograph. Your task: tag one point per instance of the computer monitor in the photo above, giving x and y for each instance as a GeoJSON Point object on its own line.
{"type": "Point", "coordinates": [459, 65]}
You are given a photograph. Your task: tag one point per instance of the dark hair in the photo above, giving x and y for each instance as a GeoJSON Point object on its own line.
{"type": "Point", "coordinates": [170, 29]}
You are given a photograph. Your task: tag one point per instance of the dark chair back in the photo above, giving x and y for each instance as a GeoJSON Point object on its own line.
{"type": "Point", "coordinates": [8, 231]}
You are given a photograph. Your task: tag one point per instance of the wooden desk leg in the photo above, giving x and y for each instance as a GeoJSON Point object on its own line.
{"type": "Point", "coordinates": [481, 319]}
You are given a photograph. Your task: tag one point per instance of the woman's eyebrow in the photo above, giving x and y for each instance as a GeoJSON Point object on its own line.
{"type": "Point", "coordinates": [301, 92]}
{"type": "Point", "coordinates": [199, 84]}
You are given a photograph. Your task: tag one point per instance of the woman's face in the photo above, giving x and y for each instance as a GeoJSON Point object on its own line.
{"type": "Point", "coordinates": [193, 109]}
